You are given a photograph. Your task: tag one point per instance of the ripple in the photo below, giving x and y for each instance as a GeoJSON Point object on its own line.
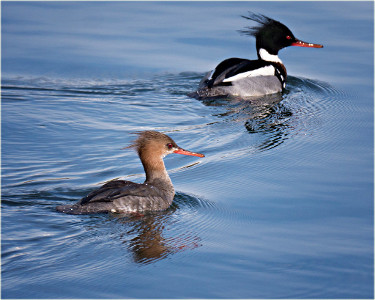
{"type": "Point", "coordinates": [272, 120]}
{"type": "Point", "coordinates": [223, 129]}
{"type": "Point", "coordinates": [145, 239]}
{"type": "Point", "coordinates": [315, 105]}
{"type": "Point", "coordinates": [156, 236]}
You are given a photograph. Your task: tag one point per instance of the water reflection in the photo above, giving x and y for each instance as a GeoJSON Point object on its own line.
{"type": "Point", "coordinates": [267, 116]}
{"type": "Point", "coordinates": [157, 235]}
{"type": "Point", "coordinates": [271, 120]}
{"type": "Point", "coordinates": [274, 119]}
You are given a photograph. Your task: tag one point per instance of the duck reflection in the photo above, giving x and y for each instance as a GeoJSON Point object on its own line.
{"type": "Point", "coordinates": [267, 116]}
{"type": "Point", "coordinates": [157, 235]}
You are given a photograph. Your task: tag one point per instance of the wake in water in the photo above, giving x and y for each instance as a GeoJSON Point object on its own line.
{"type": "Point", "coordinates": [270, 120]}
{"type": "Point", "coordinates": [277, 117]}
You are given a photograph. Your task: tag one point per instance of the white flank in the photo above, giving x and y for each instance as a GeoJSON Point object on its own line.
{"type": "Point", "coordinates": [265, 71]}
{"type": "Point", "coordinates": [263, 53]}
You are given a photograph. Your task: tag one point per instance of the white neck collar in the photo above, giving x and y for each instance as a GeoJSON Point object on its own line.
{"type": "Point", "coordinates": [263, 53]}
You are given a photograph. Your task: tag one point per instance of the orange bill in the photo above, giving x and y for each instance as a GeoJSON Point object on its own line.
{"type": "Point", "coordinates": [186, 152]}
{"type": "Point", "coordinates": [305, 44]}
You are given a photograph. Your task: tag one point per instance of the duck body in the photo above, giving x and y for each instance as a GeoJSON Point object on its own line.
{"type": "Point", "coordinates": [122, 196]}
{"type": "Point", "coordinates": [244, 78]}
{"type": "Point", "coordinates": [248, 78]}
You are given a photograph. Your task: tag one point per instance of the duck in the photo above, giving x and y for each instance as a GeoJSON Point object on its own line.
{"type": "Point", "coordinates": [252, 78]}
{"type": "Point", "coordinates": [156, 193]}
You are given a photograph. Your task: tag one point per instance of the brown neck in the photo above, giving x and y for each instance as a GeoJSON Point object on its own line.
{"type": "Point", "coordinates": [154, 167]}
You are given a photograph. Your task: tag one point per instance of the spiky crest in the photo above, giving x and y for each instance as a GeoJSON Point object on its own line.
{"type": "Point", "coordinates": [259, 18]}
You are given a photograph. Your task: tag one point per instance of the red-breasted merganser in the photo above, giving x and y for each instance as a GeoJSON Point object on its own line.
{"type": "Point", "coordinates": [246, 78]}
{"type": "Point", "coordinates": [121, 196]}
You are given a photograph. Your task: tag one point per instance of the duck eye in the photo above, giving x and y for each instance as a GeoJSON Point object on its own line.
{"type": "Point", "coordinates": [288, 37]}
{"type": "Point", "coordinates": [169, 146]}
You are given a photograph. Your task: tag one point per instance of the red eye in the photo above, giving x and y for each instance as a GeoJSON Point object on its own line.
{"type": "Point", "coordinates": [170, 146]}
{"type": "Point", "coordinates": [288, 37]}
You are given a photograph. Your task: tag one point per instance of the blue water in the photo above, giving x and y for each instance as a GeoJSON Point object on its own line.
{"type": "Point", "coordinates": [280, 207]}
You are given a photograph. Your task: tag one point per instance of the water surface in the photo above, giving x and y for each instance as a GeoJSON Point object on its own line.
{"type": "Point", "coordinates": [280, 207]}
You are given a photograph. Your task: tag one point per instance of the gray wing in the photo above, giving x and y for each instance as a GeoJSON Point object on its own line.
{"type": "Point", "coordinates": [119, 188]}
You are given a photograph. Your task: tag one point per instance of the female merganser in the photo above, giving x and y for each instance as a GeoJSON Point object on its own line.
{"type": "Point", "coordinates": [246, 78]}
{"type": "Point", "coordinates": [121, 196]}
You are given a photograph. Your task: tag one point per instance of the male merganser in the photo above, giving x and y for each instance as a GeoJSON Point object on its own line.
{"type": "Point", "coordinates": [246, 78]}
{"type": "Point", "coordinates": [121, 196]}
